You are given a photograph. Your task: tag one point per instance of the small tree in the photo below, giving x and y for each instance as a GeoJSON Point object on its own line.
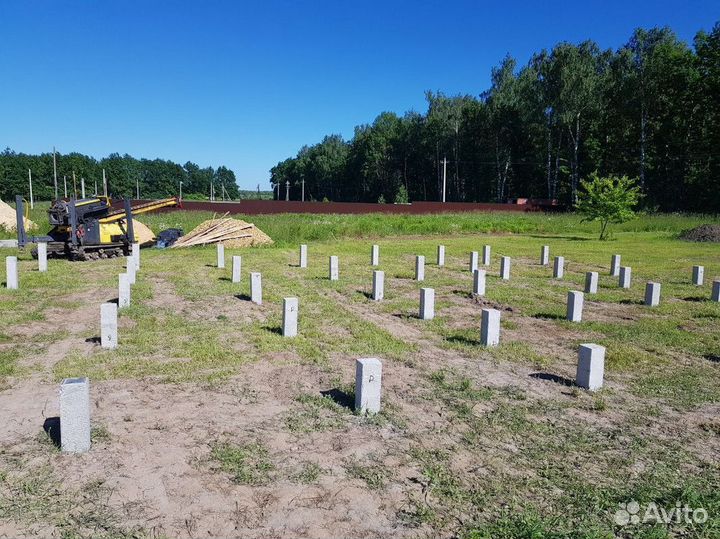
{"type": "Point", "coordinates": [608, 200]}
{"type": "Point", "coordinates": [402, 196]}
{"type": "Point", "coordinates": [381, 199]}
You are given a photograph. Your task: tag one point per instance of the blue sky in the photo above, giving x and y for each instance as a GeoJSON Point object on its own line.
{"type": "Point", "coordinates": [245, 84]}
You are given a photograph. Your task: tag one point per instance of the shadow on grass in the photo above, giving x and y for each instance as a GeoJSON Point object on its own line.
{"type": "Point", "coordinates": [368, 295]}
{"type": "Point", "coordinates": [51, 426]}
{"type": "Point", "coordinates": [632, 302]}
{"type": "Point", "coordinates": [553, 236]}
{"type": "Point", "coordinates": [93, 340]}
{"type": "Point", "coordinates": [548, 377]}
{"type": "Point", "coordinates": [340, 397]}
{"type": "Point", "coordinates": [273, 329]}
{"type": "Point", "coordinates": [463, 339]}
{"type": "Point", "coordinates": [407, 316]}
{"type": "Point", "coordinates": [243, 297]}
{"type": "Point", "coordinates": [712, 357]}
{"type": "Point", "coordinates": [549, 316]}
{"type": "Point", "coordinates": [697, 299]}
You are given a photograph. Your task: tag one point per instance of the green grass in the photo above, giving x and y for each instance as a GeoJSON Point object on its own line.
{"type": "Point", "coordinates": [290, 229]}
{"type": "Point", "coordinates": [247, 464]}
{"type": "Point", "coordinates": [372, 472]}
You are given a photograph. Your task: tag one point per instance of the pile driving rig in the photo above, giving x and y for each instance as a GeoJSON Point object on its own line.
{"type": "Point", "coordinates": [89, 228]}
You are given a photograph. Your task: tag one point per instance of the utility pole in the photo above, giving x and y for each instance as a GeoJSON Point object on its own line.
{"type": "Point", "coordinates": [180, 190]}
{"type": "Point", "coordinates": [212, 192]}
{"type": "Point", "coordinates": [95, 187]}
{"type": "Point", "coordinates": [65, 184]}
{"type": "Point", "coordinates": [258, 191]}
{"type": "Point", "coordinates": [82, 187]}
{"type": "Point", "coordinates": [137, 188]}
{"type": "Point", "coordinates": [55, 173]}
{"type": "Point", "coordinates": [287, 190]}
{"type": "Point", "coordinates": [32, 203]}
{"type": "Point", "coordinates": [74, 185]}
{"type": "Point", "coordinates": [444, 177]}
{"type": "Point", "coordinates": [303, 189]}
{"type": "Point", "coordinates": [105, 190]}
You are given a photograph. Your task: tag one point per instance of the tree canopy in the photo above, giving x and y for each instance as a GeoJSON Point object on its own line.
{"type": "Point", "coordinates": [649, 109]}
{"type": "Point", "coordinates": [155, 178]}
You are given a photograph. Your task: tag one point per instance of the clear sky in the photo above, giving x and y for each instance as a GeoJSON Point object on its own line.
{"type": "Point", "coordinates": [245, 84]}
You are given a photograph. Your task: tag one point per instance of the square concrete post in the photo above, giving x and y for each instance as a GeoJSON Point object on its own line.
{"type": "Point", "coordinates": [303, 256]}
{"type": "Point", "coordinates": [334, 268]}
{"type": "Point", "coordinates": [290, 317]}
{"type": "Point", "coordinates": [559, 267]}
{"type": "Point", "coordinates": [378, 285]}
{"type": "Point", "coordinates": [368, 385]}
{"type": "Point", "coordinates": [575, 301]}
{"type": "Point", "coordinates": [220, 255]}
{"type": "Point", "coordinates": [427, 303]}
{"type": "Point", "coordinates": [473, 261]}
{"type": "Point", "coordinates": [131, 268]}
{"type": "Point", "coordinates": [42, 256]}
{"type": "Point", "coordinates": [591, 366]}
{"type": "Point", "coordinates": [136, 254]}
{"type": "Point", "coordinates": [108, 325]}
{"type": "Point", "coordinates": [441, 255]}
{"type": "Point", "coordinates": [652, 294]}
{"type": "Point", "coordinates": [419, 268]}
{"type": "Point", "coordinates": [545, 255]}
{"type": "Point", "coordinates": [236, 268]}
{"type": "Point", "coordinates": [625, 277]}
{"type": "Point", "coordinates": [505, 268]}
{"type": "Point", "coordinates": [591, 282]}
{"type": "Point", "coordinates": [615, 266]}
{"type": "Point", "coordinates": [486, 255]}
{"type": "Point", "coordinates": [698, 275]}
{"type": "Point", "coordinates": [256, 288]}
{"type": "Point", "coordinates": [123, 290]}
{"type": "Point", "coordinates": [490, 327]}
{"type": "Point", "coordinates": [75, 415]}
{"type": "Point", "coordinates": [479, 282]}
{"type": "Point", "coordinates": [715, 296]}
{"type": "Point", "coordinates": [375, 255]}
{"type": "Point", "coordinates": [11, 273]}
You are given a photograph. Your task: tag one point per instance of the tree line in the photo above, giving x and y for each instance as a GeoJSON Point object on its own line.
{"type": "Point", "coordinates": [155, 178]}
{"type": "Point", "coordinates": [649, 110]}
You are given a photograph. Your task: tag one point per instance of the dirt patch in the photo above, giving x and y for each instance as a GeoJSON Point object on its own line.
{"type": "Point", "coordinates": [702, 233]}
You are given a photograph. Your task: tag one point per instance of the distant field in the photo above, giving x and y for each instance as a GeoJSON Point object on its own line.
{"type": "Point", "coordinates": [289, 229]}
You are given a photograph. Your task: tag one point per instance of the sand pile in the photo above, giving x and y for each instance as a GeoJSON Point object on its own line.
{"type": "Point", "coordinates": [702, 233]}
{"type": "Point", "coordinates": [229, 232]}
{"type": "Point", "coordinates": [142, 233]}
{"type": "Point", "coordinates": [8, 221]}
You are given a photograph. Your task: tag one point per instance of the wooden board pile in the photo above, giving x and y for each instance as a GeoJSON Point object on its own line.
{"type": "Point", "coordinates": [230, 232]}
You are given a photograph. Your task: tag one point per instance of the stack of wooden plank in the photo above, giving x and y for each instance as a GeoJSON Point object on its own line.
{"type": "Point", "coordinates": [216, 231]}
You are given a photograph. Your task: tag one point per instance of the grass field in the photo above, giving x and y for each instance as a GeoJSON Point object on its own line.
{"type": "Point", "coordinates": [289, 229]}
{"type": "Point", "coordinates": [207, 422]}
